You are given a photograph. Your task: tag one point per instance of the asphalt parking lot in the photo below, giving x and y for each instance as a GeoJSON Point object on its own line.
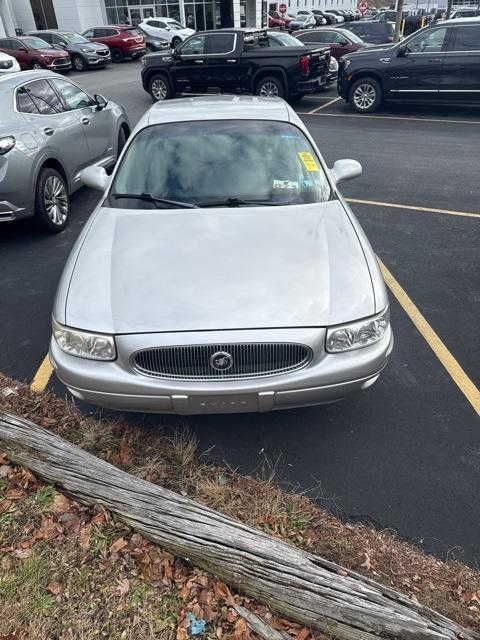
{"type": "Point", "coordinates": [405, 454]}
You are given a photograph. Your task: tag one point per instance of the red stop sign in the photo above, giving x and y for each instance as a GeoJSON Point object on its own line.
{"type": "Point", "coordinates": [362, 7]}
{"type": "Point", "coordinates": [282, 8]}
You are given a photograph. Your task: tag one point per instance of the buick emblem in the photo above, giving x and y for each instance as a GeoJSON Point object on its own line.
{"type": "Point", "coordinates": [221, 361]}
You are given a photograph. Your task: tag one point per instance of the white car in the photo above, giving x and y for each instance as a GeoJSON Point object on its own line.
{"type": "Point", "coordinates": [8, 64]}
{"type": "Point", "coordinates": [167, 28]}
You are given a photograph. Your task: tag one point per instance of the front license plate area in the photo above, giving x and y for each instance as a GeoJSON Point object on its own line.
{"type": "Point", "coordinates": [224, 404]}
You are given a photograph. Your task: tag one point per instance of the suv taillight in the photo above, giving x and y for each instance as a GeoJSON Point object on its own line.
{"type": "Point", "coordinates": [304, 65]}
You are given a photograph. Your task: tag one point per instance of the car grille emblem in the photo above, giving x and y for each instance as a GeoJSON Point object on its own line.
{"type": "Point", "coordinates": [221, 361]}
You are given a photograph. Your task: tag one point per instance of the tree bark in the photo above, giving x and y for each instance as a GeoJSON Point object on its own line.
{"type": "Point", "coordinates": [297, 584]}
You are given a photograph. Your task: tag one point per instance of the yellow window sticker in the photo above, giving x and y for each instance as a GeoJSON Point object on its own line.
{"type": "Point", "coordinates": [308, 160]}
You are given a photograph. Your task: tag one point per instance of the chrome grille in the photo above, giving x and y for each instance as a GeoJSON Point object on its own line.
{"type": "Point", "coordinates": [247, 360]}
{"type": "Point", "coordinates": [102, 52]}
{"type": "Point", "coordinates": [60, 61]}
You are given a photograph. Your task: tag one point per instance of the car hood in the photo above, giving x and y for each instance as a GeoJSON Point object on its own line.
{"type": "Point", "coordinates": [53, 53]}
{"type": "Point", "coordinates": [91, 46]}
{"type": "Point", "coordinates": [371, 51]}
{"type": "Point", "coordinates": [238, 268]}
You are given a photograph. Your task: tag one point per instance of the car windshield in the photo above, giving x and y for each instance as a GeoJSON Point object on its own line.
{"type": "Point", "coordinates": [175, 26]}
{"type": "Point", "coordinates": [354, 38]}
{"type": "Point", "coordinates": [287, 40]}
{"type": "Point", "coordinates": [133, 31]}
{"type": "Point", "coordinates": [74, 38]}
{"type": "Point", "coordinates": [217, 163]}
{"type": "Point", "coordinates": [302, 18]}
{"type": "Point", "coordinates": [36, 43]}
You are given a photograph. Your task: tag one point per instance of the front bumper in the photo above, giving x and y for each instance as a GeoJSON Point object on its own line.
{"type": "Point", "coordinates": [98, 61]}
{"type": "Point", "coordinates": [136, 51]}
{"type": "Point", "coordinates": [64, 65]}
{"type": "Point", "coordinates": [328, 378]}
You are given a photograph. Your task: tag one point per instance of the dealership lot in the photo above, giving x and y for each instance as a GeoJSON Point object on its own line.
{"type": "Point", "coordinates": [405, 454]}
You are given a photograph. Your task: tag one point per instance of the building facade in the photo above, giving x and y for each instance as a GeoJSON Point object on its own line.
{"type": "Point", "coordinates": [79, 15]}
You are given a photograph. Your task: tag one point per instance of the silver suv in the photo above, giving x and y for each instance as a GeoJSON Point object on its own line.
{"type": "Point", "coordinates": [50, 130]}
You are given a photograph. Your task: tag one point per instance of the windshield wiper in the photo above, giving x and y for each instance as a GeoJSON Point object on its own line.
{"type": "Point", "coordinates": [147, 197]}
{"type": "Point", "coordinates": [238, 202]}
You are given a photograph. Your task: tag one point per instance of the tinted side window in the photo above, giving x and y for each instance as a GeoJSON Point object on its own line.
{"type": "Point", "coordinates": [221, 43]}
{"type": "Point", "coordinates": [99, 33]}
{"type": "Point", "coordinates": [48, 37]}
{"type": "Point", "coordinates": [109, 32]}
{"type": "Point", "coordinates": [429, 42]}
{"type": "Point", "coordinates": [195, 46]}
{"type": "Point", "coordinates": [24, 102]}
{"type": "Point", "coordinates": [44, 97]}
{"type": "Point", "coordinates": [74, 97]}
{"type": "Point", "coordinates": [56, 39]}
{"type": "Point", "coordinates": [5, 44]}
{"type": "Point", "coordinates": [154, 23]}
{"type": "Point", "coordinates": [313, 37]}
{"type": "Point", "coordinates": [467, 38]}
{"type": "Point", "coordinates": [16, 44]}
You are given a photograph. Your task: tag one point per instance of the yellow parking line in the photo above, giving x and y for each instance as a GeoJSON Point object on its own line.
{"type": "Point", "coordinates": [410, 207]}
{"type": "Point", "coordinates": [323, 106]}
{"type": "Point", "coordinates": [42, 377]}
{"type": "Point", "coordinates": [458, 375]}
{"type": "Point", "coordinates": [355, 115]}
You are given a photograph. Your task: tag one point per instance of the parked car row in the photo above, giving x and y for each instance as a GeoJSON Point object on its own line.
{"type": "Point", "coordinates": [61, 50]}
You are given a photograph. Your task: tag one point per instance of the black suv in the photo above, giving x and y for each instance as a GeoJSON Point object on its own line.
{"type": "Point", "coordinates": [438, 64]}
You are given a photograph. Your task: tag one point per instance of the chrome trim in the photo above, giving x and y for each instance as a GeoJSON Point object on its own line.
{"type": "Point", "coordinates": [249, 360]}
{"type": "Point", "coordinates": [413, 90]}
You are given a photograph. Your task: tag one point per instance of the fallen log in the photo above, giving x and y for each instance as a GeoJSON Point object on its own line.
{"type": "Point", "coordinates": [299, 585]}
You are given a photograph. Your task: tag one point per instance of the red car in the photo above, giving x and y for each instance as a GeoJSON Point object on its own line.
{"type": "Point", "coordinates": [341, 41]}
{"type": "Point", "coordinates": [35, 53]}
{"type": "Point", "coordinates": [122, 39]}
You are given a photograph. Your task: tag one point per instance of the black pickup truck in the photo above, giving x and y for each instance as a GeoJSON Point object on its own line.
{"type": "Point", "coordinates": [235, 61]}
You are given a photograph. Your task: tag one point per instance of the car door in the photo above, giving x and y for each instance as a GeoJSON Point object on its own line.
{"type": "Point", "coordinates": [52, 125]}
{"type": "Point", "coordinates": [190, 69]}
{"type": "Point", "coordinates": [20, 51]}
{"type": "Point", "coordinates": [97, 125]}
{"type": "Point", "coordinates": [461, 64]}
{"type": "Point", "coordinates": [222, 61]}
{"type": "Point", "coordinates": [416, 69]}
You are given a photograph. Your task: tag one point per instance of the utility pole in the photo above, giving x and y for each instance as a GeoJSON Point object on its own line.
{"type": "Point", "coordinates": [398, 21]}
{"type": "Point", "coordinates": [449, 9]}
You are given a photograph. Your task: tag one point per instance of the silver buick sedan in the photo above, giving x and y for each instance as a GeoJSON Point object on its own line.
{"type": "Point", "coordinates": [221, 271]}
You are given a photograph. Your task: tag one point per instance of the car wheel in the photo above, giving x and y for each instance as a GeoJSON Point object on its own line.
{"type": "Point", "coordinates": [175, 42]}
{"type": "Point", "coordinates": [51, 201]}
{"type": "Point", "coordinates": [79, 63]}
{"type": "Point", "coordinates": [270, 87]}
{"type": "Point", "coordinates": [365, 95]}
{"type": "Point", "coordinates": [160, 88]}
{"type": "Point", "coordinates": [36, 65]}
{"type": "Point", "coordinates": [117, 55]}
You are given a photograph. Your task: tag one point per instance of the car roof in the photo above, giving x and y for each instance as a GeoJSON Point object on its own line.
{"type": "Point", "coordinates": [12, 80]}
{"type": "Point", "coordinates": [222, 107]}
{"type": "Point", "coordinates": [472, 20]}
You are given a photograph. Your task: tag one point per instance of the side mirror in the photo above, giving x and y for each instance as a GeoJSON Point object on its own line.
{"type": "Point", "coordinates": [402, 51]}
{"type": "Point", "coordinates": [346, 170]}
{"type": "Point", "coordinates": [94, 177]}
{"type": "Point", "coordinates": [100, 101]}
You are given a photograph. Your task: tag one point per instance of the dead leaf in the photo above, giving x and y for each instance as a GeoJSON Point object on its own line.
{"type": "Point", "coordinates": [124, 454]}
{"type": "Point", "coordinates": [303, 634]}
{"type": "Point", "coordinates": [222, 591]}
{"type": "Point", "coordinates": [60, 504]}
{"type": "Point", "coordinates": [182, 633]}
{"type": "Point", "coordinates": [123, 587]}
{"type": "Point", "coordinates": [21, 554]}
{"type": "Point", "coordinates": [118, 545]}
{"type": "Point", "coordinates": [5, 471]}
{"type": "Point", "coordinates": [342, 572]}
{"type": "Point", "coordinates": [55, 588]}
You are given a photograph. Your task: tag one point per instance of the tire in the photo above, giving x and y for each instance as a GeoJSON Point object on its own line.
{"type": "Point", "coordinates": [159, 87]}
{"type": "Point", "coordinates": [36, 65]}
{"type": "Point", "coordinates": [117, 55]}
{"type": "Point", "coordinates": [79, 63]}
{"type": "Point", "coordinates": [51, 201]}
{"type": "Point", "coordinates": [175, 42]}
{"type": "Point", "coordinates": [365, 95]}
{"type": "Point", "coordinates": [269, 87]}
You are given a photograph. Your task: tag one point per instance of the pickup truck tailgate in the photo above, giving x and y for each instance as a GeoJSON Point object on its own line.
{"type": "Point", "coordinates": [319, 61]}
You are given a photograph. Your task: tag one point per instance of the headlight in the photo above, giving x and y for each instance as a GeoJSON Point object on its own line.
{"type": "Point", "coordinates": [6, 144]}
{"type": "Point", "coordinates": [83, 344]}
{"type": "Point", "coordinates": [85, 50]}
{"type": "Point", "coordinates": [333, 64]}
{"type": "Point", "coordinates": [357, 334]}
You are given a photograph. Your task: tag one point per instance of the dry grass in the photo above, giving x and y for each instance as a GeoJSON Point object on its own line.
{"type": "Point", "coordinates": [170, 460]}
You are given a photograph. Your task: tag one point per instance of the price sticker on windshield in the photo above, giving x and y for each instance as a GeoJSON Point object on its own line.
{"type": "Point", "coordinates": [308, 160]}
